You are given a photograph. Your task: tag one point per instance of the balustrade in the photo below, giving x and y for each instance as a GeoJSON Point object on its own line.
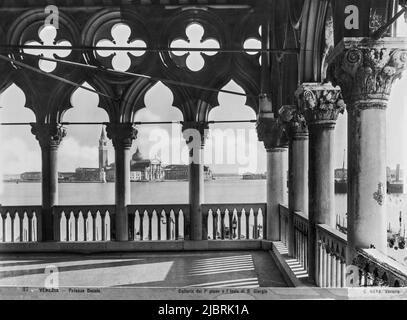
{"type": "Point", "coordinates": [284, 230]}
{"type": "Point", "coordinates": [331, 257]}
{"type": "Point", "coordinates": [20, 224]}
{"type": "Point", "coordinates": [374, 268]}
{"type": "Point", "coordinates": [159, 222]}
{"type": "Point", "coordinates": [300, 223]}
{"type": "Point", "coordinates": [234, 221]}
{"type": "Point", "coordinates": [84, 223]}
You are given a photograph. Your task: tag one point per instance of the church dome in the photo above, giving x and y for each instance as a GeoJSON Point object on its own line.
{"type": "Point", "coordinates": [137, 156]}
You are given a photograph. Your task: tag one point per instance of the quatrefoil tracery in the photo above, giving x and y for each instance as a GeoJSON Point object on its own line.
{"type": "Point", "coordinates": [48, 35]}
{"type": "Point", "coordinates": [253, 43]}
{"type": "Point", "coordinates": [194, 59]}
{"type": "Point", "coordinates": [121, 59]}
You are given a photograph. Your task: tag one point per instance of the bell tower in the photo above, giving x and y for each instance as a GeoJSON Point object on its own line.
{"type": "Point", "coordinates": [103, 153]}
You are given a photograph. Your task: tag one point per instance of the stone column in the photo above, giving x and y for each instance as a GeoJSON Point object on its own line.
{"type": "Point", "coordinates": [49, 137]}
{"type": "Point", "coordinates": [195, 134]}
{"type": "Point", "coordinates": [272, 133]}
{"type": "Point", "coordinates": [122, 136]}
{"type": "Point", "coordinates": [366, 70]}
{"type": "Point", "coordinates": [297, 166]}
{"type": "Point", "coordinates": [321, 105]}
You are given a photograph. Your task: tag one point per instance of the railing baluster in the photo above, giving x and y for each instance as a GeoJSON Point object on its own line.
{"type": "Point", "coordinates": [30, 217]}
{"type": "Point", "coordinates": [158, 224]}
{"type": "Point", "coordinates": [239, 225]}
{"type": "Point", "coordinates": [150, 225]}
{"type": "Point", "coordinates": [103, 225]}
{"type": "Point", "coordinates": [214, 224]}
{"type": "Point", "coordinates": [94, 216]}
{"type": "Point", "coordinates": [222, 224]}
{"type": "Point", "coordinates": [177, 222]}
{"type": "Point", "coordinates": [12, 225]}
{"type": "Point", "coordinates": [255, 231]}
{"type": "Point", "coordinates": [21, 218]}
{"type": "Point", "coordinates": [168, 226]}
{"type": "Point", "coordinates": [142, 217]}
{"type": "Point", "coordinates": [76, 224]}
{"type": "Point", "coordinates": [338, 270]}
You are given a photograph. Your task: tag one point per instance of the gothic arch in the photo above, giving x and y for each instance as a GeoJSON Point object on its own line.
{"type": "Point", "coordinates": [133, 98]}
{"type": "Point", "coordinates": [312, 36]}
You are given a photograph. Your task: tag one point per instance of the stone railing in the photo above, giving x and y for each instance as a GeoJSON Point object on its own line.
{"type": "Point", "coordinates": [284, 230]}
{"type": "Point", "coordinates": [234, 221]}
{"type": "Point", "coordinates": [159, 222]}
{"type": "Point", "coordinates": [84, 223]}
{"type": "Point", "coordinates": [331, 257]}
{"type": "Point", "coordinates": [20, 224]}
{"type": "Point", "coordinates": [300, 224]}
{"type": "Point", "coordinates": [376, 269]}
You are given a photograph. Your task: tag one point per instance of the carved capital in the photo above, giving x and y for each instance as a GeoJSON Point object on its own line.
{"type": "Point", "coordinates": [320, 103]}
{"type": "Point", "coordinates": [195, 131]}
{"type": "Point", "coordinates": [271, 132]}
{"type": "Point", "coordinates": [121, 134]}
{"type": "Point", "coordinates": [295, 123]}
{"type": "Point", "coordinates": [49, 135]}
{"type": "Point", "coordinates": [366, 69]}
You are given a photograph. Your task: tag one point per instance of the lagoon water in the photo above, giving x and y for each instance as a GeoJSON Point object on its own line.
{"type": "Point", "coordinates": [171, 192]}
{"type": "Point", "coordinates": [216, 191]}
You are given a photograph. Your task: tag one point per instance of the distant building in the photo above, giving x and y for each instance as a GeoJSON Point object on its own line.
{"type": "Point", "coordinates": [87, 175]}
{"type": "Point", "coordinates": [394, 180]}
{"type": "Point", "coordinates": [145, 170]}
{"type": "Point", "coordinates": [176, 172]}
{"type": "Point", "coordinates": [181, 172]}
{"type": "Point", "coordinates": [103, 151]}
{"type": "Point", "coordinates": [31, 176]}
{"type": "Point", "coordinates": [254, 176]}
{"type": "Point", "coordinates": [66, 176]}
{"type": "Point", "coordinates": [341, 174]}
{"type": "Point", "coordinates": [11, 177]}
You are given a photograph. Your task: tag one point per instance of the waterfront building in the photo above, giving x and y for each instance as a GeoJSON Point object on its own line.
{"type": "Point", "coordinates": [181, 172]}
{"type": "Point", "coordinates": [145, 170]}
{"type": "Point", "coordinates": [87, 175]}
{"type": "Point", "coordinates": [31, 177]}
{"type": "Point", "coordinates": [254, 176]}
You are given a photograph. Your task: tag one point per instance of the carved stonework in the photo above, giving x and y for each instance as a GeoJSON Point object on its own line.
{"type": "Point", "coordinates": [121, 134]}
{"type": "Point", "coordinates": [195, 131]}
{"type": "Point", "coordinates": [272, 132]}
{"type": "Point", "coordinates": [366, 69]}
{"type": "Point", "coordinates": [49, 135]}
{"type": "Point", "coordinates": [379, 194]}
{"type": "Point", "coordinates": [374, 272]}
{"type": "Point", "coordinates": [320, 103]}
{"type": "Point", "coordinates": [295, 123]}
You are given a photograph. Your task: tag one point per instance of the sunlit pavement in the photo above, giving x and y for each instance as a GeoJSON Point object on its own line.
{"type": "Point", "coordinates": [241, 269]}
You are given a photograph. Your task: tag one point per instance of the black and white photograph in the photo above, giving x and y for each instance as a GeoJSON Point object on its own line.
{"type": "Point", "coordinates": [203, 150]}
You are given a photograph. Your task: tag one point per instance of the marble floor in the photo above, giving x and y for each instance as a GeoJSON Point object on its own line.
{"type": "Point", "coordinates": [240, 269]}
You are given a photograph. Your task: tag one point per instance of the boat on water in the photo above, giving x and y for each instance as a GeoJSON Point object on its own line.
{"type": "Point", "coordinates": [397, 240]}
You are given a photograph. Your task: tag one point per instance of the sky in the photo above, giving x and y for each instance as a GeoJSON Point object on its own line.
{"type": "Point", "coordinates": [241, 152]}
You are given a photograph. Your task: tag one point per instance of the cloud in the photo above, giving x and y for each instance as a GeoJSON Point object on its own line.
{"type": "Point", "coordinates": [72, 155]}
{"type": "Point", "coordinates": [16, 156]}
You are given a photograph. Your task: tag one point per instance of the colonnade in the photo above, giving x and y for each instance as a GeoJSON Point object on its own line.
{"type": "Point", "coordinates": [361, 73]}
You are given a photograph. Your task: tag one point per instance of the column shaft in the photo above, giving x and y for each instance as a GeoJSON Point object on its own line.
{"type": "Point", "coordinates": [276, 189]}
{"type": "Point", "coordinates": [49, 136]}
{"type": "Point", "coordinates": [298, 182]}
{"type": "Point", "coordinates": [122, 191]}
{"type": "Point", "coordinates": [50, 194]}
{"type": "Point", "coordinates": [367, 177]}
{"type": "Point", "coordinates": [122, 135]}
{"type": "Point", "coordinates": [196, 197]}
{"type": "Point", "coordinates": [321, 185]}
